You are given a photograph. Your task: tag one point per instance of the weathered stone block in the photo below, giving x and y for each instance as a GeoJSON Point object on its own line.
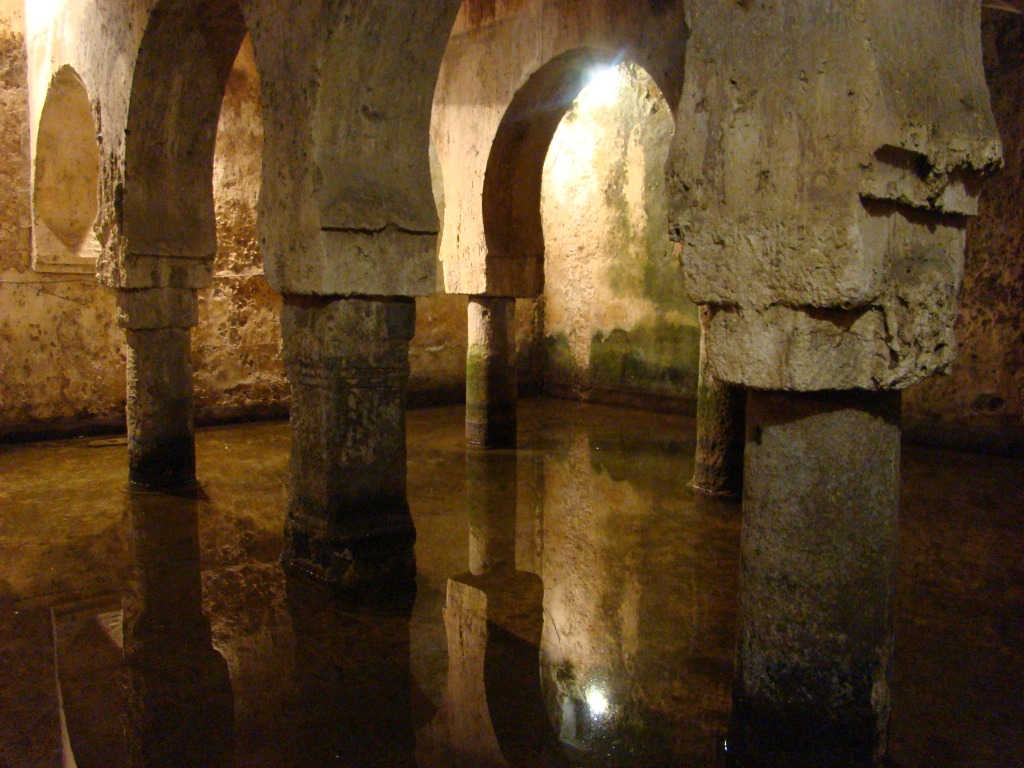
{"type": "Point", "coordinates": [821, 202]}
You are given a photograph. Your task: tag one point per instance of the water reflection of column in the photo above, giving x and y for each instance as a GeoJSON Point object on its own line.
{"type": "Point", "coordinates": [492, 482]}
{"type": "Point", "coordinates": [819, 564]}
{"type": "Point", "coordinates": [493, 712]}
{"type": "Point", "coordinates": [180, 700]}
{"type": "Point", "coordinates": [352, 714]}
{"type": "Point", "coordinates": [637, 640]}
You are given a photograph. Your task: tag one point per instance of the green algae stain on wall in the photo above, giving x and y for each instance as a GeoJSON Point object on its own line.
{"type": "Point", "coordinates": [658, 358]}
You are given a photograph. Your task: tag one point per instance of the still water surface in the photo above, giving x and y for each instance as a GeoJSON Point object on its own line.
{"type": "Point", "coordinates": [575, 606]}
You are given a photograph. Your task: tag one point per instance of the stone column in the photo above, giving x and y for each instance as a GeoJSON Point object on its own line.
{"type": "Point", "coordinates": [160, 407]}
{"type": "Point", "coordinates": [721, 413]}
{"type": "Point", "coordinates": [348, 363]}
{"type": "Point", "coordinates": [491, 373]}
{"type": "Point", "coordinates": [818, 553]}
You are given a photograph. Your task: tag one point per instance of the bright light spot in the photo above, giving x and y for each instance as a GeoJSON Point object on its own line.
{"type": "Point", "coordinates": [603, 87]}
{"type": "Point", "coordinates": [597, 702]}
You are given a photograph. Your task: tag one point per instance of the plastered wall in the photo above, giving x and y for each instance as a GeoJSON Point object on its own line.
{"type": "Point", "coordinates": [61, 357]}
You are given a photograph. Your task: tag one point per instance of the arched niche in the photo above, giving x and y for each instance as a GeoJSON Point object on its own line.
{"type": "Point", "coordinates": [65, 190]}
{"type": "Point", "coordinates": [515, 169]}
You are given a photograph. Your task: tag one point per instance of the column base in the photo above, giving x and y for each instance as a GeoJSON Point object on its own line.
{"type": "Point", "coordinates": [381, 553]}
{"type": "Point", "coordinates": [491, 433]}
{"type": "Point", "coordinates": [165, 464]}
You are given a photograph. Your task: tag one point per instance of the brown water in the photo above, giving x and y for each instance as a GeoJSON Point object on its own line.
{"type": "Point", "coordinates": [576, 605]}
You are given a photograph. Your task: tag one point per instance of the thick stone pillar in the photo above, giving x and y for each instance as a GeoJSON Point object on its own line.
{"type": "Point", "coordinates": [721, 414]}
{"type": "Point", "coordinates": [160, 407]}
{"type": "Point", "coordinates": [819, 549]}
{"type": "Point", "coordinates": [348, 362]}
{"type": "Point", "coordinates": [491, 373]}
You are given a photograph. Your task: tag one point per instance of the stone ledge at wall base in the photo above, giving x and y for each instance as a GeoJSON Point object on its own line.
{"type": "Point", "coordinates": [42, 430]}
{"type": "Point", "coordinates": [647, 401]}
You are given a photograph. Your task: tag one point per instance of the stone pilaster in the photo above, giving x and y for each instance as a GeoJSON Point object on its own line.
{"type": "Point", "coordinates": [160, 402]}
{"type": "Point", "coordinates": [348, 363]}
{"type": "Point", "coordinates": [819, 551]}
{"type": "Point", "coordinates": [491, 373]}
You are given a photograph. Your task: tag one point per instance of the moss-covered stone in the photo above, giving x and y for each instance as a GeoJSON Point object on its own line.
{"type": "Point", "coordinates": [659, 358]}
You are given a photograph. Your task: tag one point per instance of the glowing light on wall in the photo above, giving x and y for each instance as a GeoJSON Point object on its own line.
{"type": "Point", "coordinates": [603, 88]}
{"type": "Point", "coordinates": [40, 14]}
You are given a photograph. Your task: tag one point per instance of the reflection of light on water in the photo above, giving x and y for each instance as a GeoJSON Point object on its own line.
{"type": "Point", "coordinates": [584, 718]}
{"type": "Point", "coordinates": [597, 702]}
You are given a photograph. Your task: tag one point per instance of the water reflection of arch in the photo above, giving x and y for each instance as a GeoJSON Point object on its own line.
{"type": "Point", "coordinates": [639, 602]}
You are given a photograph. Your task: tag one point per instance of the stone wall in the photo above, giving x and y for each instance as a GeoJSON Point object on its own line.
{"type": "Point", "coordinates": [617, 321]}
{"type": "Point", "coordinates": [61, 355]}
{"type": "Point", "coordinates": [611, 317]}
{"type": "Point", "coordinates": [236, 348]}
{"type": "Point", "coordinates": [981, 401]}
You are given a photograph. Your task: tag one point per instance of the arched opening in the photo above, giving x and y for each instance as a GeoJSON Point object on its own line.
{"type": "Point", "coordinates": [512, 184]}
{"type": "Point", "coordinates": [616, 317]}
{"type": "Point", "coordinates": [236, 345]}
{"type": "Point", "coordinates": [65, 200]}
{"type": "Point", "coordinates": [169, 225]}
{"type": "Point", "coordinates": [575, 207]}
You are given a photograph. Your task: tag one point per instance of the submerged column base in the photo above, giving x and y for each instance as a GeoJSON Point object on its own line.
{"type": "Point", "coordinates": [160, 401]}
{"type": "Point", "coordinates": [351, 557]}
{"type": "Point", "coordinates": [818, 568]}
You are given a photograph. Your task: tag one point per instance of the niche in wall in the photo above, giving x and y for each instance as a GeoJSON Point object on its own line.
{"type": "Point", "coordinates": [65, 200]}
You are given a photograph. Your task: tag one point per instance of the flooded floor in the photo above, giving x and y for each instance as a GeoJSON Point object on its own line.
{"type": "Point", "coordinates": [575, 606]}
